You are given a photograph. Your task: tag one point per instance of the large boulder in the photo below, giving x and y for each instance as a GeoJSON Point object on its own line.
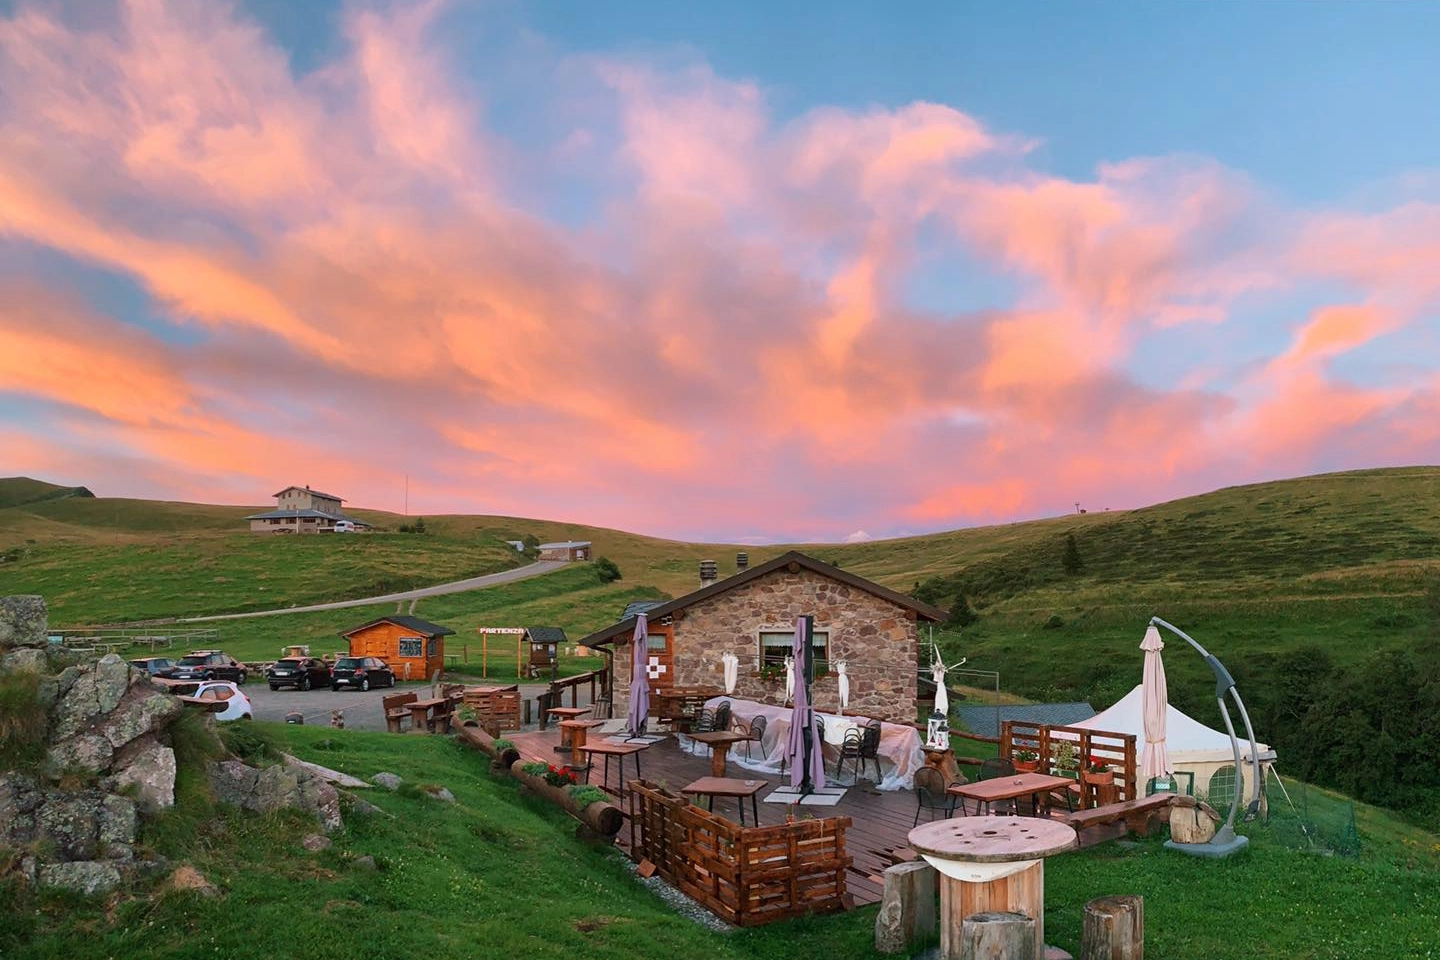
{"type": "Point", "coordinates": [87, 753]}
{"type": "Point", "coordinates": [20, 796]}
{"type": "Point", "coordinates": [139, 715]}
{"type": "Point", "coordinates": [86, 877]}
{"type": "Point", "coordinates": [149, 774]}
{"type": "Point", "coordinates": [24, 622]}
{"type": "Point", "coordinates": [276, 788]}
{"type": "Point", "coordinates": [24, 658]}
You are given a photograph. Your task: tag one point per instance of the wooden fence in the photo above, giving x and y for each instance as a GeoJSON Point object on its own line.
{"type": "Point", "coordinates": [555, 695]}
{"type": "Point", "coordinates": [1117, 750]}
{"type": "Point", "coordinates": [746, 875]}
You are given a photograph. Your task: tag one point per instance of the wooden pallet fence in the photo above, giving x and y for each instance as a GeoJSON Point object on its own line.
{"type": "Point", "coordinates": [1115, 749]}
{"type": "Point", "coordinates": [746, 875]}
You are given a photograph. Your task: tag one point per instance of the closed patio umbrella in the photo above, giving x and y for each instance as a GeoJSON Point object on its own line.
{"type": "Point", "coordinates": [639, 678]}
{"type": "Point", "coordinates": [803, 747]}
{"type": "Point", "coordinates": [1154, 762]}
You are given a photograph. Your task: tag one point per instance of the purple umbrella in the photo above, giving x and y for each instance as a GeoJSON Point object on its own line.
{"type": "Point", "coordinates": [802, 721]}
{"type": "Point", "coordinates": [639, 678]}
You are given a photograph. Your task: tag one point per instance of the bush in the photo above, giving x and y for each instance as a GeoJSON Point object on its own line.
{"type": "Point", "coordinates": [1054, 623]}
{"type": "Point", "coordinates": [247, 742]}
{"type": "Point", "coordinates": [23, 721]}
{"type": "Point", "coordinates": [607, 570]}
{"type": "Point", "coordinates": [961, 613]}
{"type": "Point", "coordinates": [1071, 560]}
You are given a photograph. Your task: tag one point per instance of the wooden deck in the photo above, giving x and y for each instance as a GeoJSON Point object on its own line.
{"type": "Point", "coordinates": [876, 840]}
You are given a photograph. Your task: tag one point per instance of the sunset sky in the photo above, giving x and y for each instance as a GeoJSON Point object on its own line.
{"type": "Point", "coordinates": [716, 271]}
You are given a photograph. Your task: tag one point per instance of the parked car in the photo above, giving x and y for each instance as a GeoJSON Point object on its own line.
{"type": "Point", "coordinates": [237, 705]}
{"type": "Point", "coordinates": [154, 666]}
{"type": "Point", "coordinates": [208, 665]}
{"type": "Point", "coordinates": [301, 673]}
{"type": "Point", "coordinates": [362, 673]}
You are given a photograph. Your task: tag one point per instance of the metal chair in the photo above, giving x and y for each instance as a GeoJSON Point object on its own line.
{"type": "Point", "coordinates": [870, 747]}
{"type": "Point", "coordinates": [930, 794]}
{"type": "Point", "coordinates": [849, 750]}
{"type": "Point", "coordinates": [706, 723]}
{"type": "Point", "coordinates": [722, 715]}
{"type": "Point", "coordinates": [757, 734]}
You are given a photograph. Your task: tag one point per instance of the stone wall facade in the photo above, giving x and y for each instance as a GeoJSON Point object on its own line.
{"type": "Point", "coordinates": [877, 638]}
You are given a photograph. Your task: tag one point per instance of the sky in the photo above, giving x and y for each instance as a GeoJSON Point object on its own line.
{"type": "Point", "coordinates": [745, 271]}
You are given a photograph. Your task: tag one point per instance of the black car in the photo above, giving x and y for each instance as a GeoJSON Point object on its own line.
{"type": "Point", "coordinates": [299, 672]}
{"type": "Point", "coordinates": [208, 665]}
{"type": "Point", "coordinates": [154, 666]}
{"type": "Point", "coordinates": [361, 673]}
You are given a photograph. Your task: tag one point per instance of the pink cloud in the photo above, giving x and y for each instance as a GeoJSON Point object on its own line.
{"type": "Point", "coordinates": [727, 345]}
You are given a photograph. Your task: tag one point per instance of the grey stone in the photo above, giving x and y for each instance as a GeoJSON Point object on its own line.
{"type": "Point", "coordinates": [366, 863]}
{"type": "Point", "coordinates": [387, 780]}
{"type": "Point", "coordinates": [86, 753]}
{"type": "Point", "coordinates": [30, 870]}
{"type": "Point", "coordinates": [315, 842]}
{"type": "Point", "coordinates": [84, 876]}
{"type": "Point", "coordinates": [118, 823]}
{"type": "Point", "coordinates": [233, 782]}
{"type": "Point", "coordinates": [139, 716]}
{"type": "Point", "coordinates": [364, 808]}
{"type": "Point", "coordinates": [324, 800]}
{"type": "Point", "coordinates": [20, 796]}
{"type": "Point", "coordinates": [70, 821]}
{"type": "Point", "coordinates": [441, 794]}
{"type": "Point", "coordinates": [275, 788]}
{"type": "Point", "coordinates": [151, 774]}
{"type": "Point", "coordinates": [31, 659]}
{"type": "Point", "coordinates": [24, 621]}
{"type": "Point", "coordinates": [112, 680]}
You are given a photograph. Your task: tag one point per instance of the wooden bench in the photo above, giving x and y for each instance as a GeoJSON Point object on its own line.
{"type": "Point", "coordinates": [395, 710]}
{"type": "Point", "coordinates": [1141, 816]}
{"type": "Point", "coordinates": [439, 721]}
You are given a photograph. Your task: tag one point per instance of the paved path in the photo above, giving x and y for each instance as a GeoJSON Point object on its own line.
{"type": "Point", "coordinates": [458, 586]}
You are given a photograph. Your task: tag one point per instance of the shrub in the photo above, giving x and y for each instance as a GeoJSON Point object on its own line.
{"type": "Point", "coordinates": [586, 794]}
{"type": "Point", "coordinates": [1054, 623]}
{"type": "Point", "coordinates": [606, 569]}
{"type": "Point", "coordinates": [535, 768]}
{"type": "Point", "coordinates": [22, 720]}
{"type": "Point", "coordinates": [247, 742]}
{"type": "Point", "coordinates": [961, 613]}
{"type": "Point", "coordinates": [1071, 560]}
{"type": "Point", "coordinates": [503, 744]}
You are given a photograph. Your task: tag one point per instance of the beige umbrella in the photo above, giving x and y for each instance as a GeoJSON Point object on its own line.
{"type": "Point", "coordinates": [1154, 698]}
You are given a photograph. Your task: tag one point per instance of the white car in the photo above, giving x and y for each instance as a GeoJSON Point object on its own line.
{"type": "Point", "coordinates": [237, 705]}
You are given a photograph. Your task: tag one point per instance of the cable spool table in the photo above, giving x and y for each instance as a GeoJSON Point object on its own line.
{"type": "Point", "coordinates": [990, 864]}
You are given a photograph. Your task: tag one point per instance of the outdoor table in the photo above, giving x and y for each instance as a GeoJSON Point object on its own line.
{"type": "Point", "coordinates": [621, 750]}
{"type": "Point", "coordinates": [565, 713]}
{"type": "Point", "coordinates": [990, 864]}
{"type": "Point", "coordinates": [713, 787]}
{"type": "Point", "coordinates": [420, 713]}
{"type": "Point", "coordinates": [1009, 787]}
{"type": "Point", "coordinates": [572, 739]}
{"type": "Point", "coordinates": [719, 743]}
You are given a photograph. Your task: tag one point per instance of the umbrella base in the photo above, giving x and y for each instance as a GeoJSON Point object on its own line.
{"type": "Point", "coordinates": [1214, 850]}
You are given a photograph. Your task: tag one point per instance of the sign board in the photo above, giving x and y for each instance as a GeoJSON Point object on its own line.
{"type": "Point", "coordinates": [502, 630]}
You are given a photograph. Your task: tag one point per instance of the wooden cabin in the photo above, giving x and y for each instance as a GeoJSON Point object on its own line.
{"type": "Point", "coordinates": [414, 648]}
{"type": "Point", "coordinates": [544, 649]}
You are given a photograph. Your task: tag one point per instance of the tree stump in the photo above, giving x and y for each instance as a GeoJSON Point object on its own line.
{"type": "Point", "coordinates": [1114, 929]}
{"type": "Point", "coordinates": [997, 936]}
{"type": "Point", "coordinates": [908, 909]}
{"type": "Point", "coordinates": [1192, 821]}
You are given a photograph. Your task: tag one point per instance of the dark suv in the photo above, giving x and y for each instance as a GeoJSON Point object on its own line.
{"type": "Point", "coordinates": [361, 673]}
{"type": "Point", "coordinates": [208, 665]}
{"type": "Point", "coordinates": [154, 666]}
{"type": "Point", "coordinates": [299, 672]}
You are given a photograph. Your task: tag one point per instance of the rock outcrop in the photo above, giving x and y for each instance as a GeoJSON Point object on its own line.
{"type": "Point", "coordinates": [268, 789]}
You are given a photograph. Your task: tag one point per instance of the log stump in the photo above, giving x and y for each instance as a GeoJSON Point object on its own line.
{"type": "Point", "coordinates": [1114, 929]}
{"type": "Point", "coordinates": [908, 909]}
{"type": "Point", "coordinates": [997, 936]}
{"type": "Point", "coordinates": [1192, 821]}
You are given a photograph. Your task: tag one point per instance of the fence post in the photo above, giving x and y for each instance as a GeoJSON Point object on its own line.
{"type": "Point", "coordinates": [1114, 929]}
{"type": "Point", "coordinates": [996, 936]}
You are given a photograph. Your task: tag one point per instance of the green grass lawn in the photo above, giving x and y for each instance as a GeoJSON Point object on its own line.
{"type": "Point", "coordinates": [497, 874]}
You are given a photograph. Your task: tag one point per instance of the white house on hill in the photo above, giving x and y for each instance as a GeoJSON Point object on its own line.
{"type": "Point", "coordinates": [302, 510]}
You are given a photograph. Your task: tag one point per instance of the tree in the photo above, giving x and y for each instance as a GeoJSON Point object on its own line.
{"type": "Point", "coordinates": [1071, 561]}
{"type": "Point", "coordinates": [606, 569]}
{"type": "Point", "coordinates": [961, 613]}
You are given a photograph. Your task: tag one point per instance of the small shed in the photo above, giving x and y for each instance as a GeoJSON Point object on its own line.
{"type": "Point", "coordinates": [414, 648]}
{"type": "Point", "coordinates": [544, 648]}
{"type": "Point", "coordinates": [569, 550]}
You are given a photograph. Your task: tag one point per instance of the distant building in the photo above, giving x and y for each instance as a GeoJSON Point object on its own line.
{"type": "Point", "coordinates": [519, 545]}
{"type": "Point", "coordinates": [566, 550]}
{"type": "Point", "coordinates": [302, 510]}
{"type": "Point", "coordinates": [413, 648]}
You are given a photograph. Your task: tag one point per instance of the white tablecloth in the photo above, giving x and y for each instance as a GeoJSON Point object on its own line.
{"type": "Point", "coordinates": [900, 753]}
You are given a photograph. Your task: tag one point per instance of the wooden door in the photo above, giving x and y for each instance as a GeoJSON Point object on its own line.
{"type": "Point", "coordinates": [660, 658]}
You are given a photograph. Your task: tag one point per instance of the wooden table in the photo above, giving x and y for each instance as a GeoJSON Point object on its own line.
{"type": "Point", "coordinates": [572, 740]}
{"type": "Point", "coordinates": [621, 750]}
{"type": "Point", "coordinates": [713, 787]}
{"type": "Point", "coordinates": [1009, 787]}
{"type": "Point", "coordinates": [719, 743]}
{"type": "Point", "coordinates": [565, 713]}
{"type": "Point", "coordinates": [420, 713]}
{"type": "Point", "coordinates": [990, 864]}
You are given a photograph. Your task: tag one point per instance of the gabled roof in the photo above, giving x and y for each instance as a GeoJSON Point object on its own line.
{"type": "Point", "coordinates": [410, 623]}
{"type": "Point", "coordinates": [801, 561]}
{"type": "Point", "coordinates": [546, 634]}
{"type": "Point", "coordinates": [564, 544]}
{"type": "Point", "coordinates": [327, 496]}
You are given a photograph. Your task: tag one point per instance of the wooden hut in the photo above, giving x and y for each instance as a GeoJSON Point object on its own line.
{"type": "Point", "coordinates": [414, 648]}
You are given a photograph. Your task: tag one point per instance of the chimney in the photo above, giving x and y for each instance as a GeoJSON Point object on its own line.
{"type": "Point", "coordinates": [708, 574]}
{"type": "Point", "coordinates": [742, 561]}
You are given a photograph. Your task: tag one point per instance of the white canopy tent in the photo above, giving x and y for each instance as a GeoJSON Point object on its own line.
{"type": "Point", "coordinates": [1190, 744]}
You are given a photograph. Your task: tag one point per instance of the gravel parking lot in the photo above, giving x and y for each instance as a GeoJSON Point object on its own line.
{"type": "Point", "coordinates": [363, 711]}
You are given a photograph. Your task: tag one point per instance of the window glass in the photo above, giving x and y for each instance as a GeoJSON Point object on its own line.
{"type": "Point", "coordinates": [775, 646]}
{"type": "Point", "coordinates": [411, 646]}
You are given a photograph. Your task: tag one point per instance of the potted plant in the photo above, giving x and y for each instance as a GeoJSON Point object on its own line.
{"type": "Point", "coordinates": [1097, 771]}
{"type": "Point", "coordinates": [1066, 762]}
{"type": "Point", "coordinates": [1026, 761]}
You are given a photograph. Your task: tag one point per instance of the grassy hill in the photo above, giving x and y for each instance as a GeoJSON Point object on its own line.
{"type": "Point", "coordinates": [498, 874]}
{"type": "Point", "coordinates": [18, 491]}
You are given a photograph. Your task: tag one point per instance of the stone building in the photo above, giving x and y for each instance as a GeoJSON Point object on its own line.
{"type": "Point", "coordinates": [302, 510]}
{"type": "Point", "coordinates": [752, 615]}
